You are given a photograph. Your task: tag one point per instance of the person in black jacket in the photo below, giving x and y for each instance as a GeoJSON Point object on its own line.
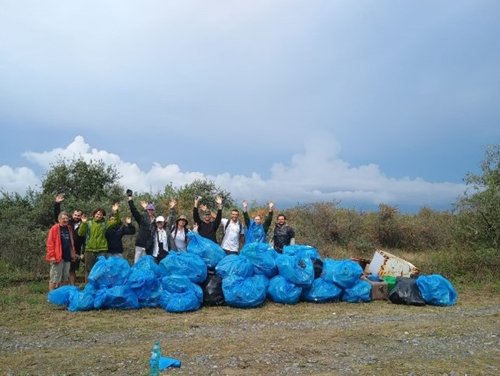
{"type": "Point", "coordinates": [114, 237]}
{"type": "Point", "coordinates": [79, 241]}
{"type": "Point", "coordinates": [146, 222]}
{"type": "Point", "coordinates": [283, 234]}
{"type": "Point", "coordinates": [206, 227]}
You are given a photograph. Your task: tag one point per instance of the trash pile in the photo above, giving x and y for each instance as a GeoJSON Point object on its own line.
{"type": "Point", "coordinates": [204, 275]}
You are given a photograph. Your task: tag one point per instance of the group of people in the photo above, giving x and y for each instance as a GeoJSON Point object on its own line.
{"type": "Point", "coordinates": [77, 238]}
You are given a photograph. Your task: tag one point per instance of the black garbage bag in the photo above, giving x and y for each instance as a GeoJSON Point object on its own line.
{"type": "Point", "coordinates": [318, 268]}
{"type": "Point", "coordinates": [212, 291]}
{"type": "Point", "coordinates": [406, 292]}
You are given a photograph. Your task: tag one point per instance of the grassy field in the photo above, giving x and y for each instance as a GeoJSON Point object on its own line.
{"type": "Point", "coordinates": [380, 338]}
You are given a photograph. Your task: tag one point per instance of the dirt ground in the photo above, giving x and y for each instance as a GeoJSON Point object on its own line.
{"type": "Point", "coordinates": [377, 338]}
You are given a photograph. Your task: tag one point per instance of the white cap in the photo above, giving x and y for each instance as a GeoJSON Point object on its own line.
{"type": "Point", "coordinates": [160, 218]}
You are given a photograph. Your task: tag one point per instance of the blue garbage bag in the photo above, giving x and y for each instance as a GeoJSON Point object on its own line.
{"type": "Point", "coordinates": [361, 291]}
{"type": "Point", "coordinates": [144, 281]}
{"type": "Point", "coordinates": [61, 295]}
{"type": "Point", "coordinates": [242, 292]}
{"type": "Point", "coordinates": [327, 272]}
{"type": "Point", "coordinates": [234, 265]}
{"type": "Point", "coordinates": [261, 278]}
{"type": "Point", "coordinates": [296, 269]}
{"type": "Point", "coordinates": [345, 273]}
{"type": "Point", "coordinates": [176, 283]}
{"type": "Point", "coordinates": [437, 290]}
{"type": "Point", "coordinates": [281, 290]}
{"type": "Point", "coordinates": [120, 297]}
{"type": "Point", "coordinates": [109, 272]}
{"type": "Point", "coordinates": [321, 291]}
{"type": "Point", "coordinates": [81, 301]}
{"type": "Point", "coordinates": [263, 258]}
{"type": "Point", "coordinates": [209, 251]}
{"type": "Point", "coordinates": [301, 250]}
{"type": "Point", "coordinates": [180, 294]}
{"type": "Point", "coordinates": [184, 264]}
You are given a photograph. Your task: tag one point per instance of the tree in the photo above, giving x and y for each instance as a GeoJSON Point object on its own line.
{"type": "Point", "coordinates": [207, 190]}
{"type": "Point", "coordinates": [479, 208]}
{"type": "Point", "coordinates": [83, 183]}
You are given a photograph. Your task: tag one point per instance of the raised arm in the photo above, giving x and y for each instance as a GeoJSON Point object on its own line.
{"type": "Point", "coordinates": [135, 213]}
{"type": "Point", "coordinates": [246, 217]}
{"type": "Point", "coordinates": [218, 217]}
{"type": "Point", "coordinates": [269, 217]}
{"type": "Point", "coordinates": [57, 205]}
{"type": "Point", "coordinates": [171, 214]}
{"type": "Point", "coordinates": [196, 214]}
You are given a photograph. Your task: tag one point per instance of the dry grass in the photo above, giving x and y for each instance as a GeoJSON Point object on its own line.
{"type": "Point", "coordinates": [310, 339]}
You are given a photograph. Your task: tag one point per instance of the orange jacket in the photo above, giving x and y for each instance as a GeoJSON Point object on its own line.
{"type": "Point", "coordinates": [54, 246]}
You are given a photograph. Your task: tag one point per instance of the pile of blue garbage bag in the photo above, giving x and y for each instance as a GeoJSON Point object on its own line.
{"type": "Point", "coordinates": [204, 275]}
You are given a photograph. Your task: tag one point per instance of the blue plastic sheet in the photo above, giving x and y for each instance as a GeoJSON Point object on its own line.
{"type": "Point", "coordinates": [166, 362]}
{"type": "Point", "coordinates": [322, 291]}
{"type": "Point", "coordinates": [241, 292]}
{"type": "Point", "coordinates": [296, 269]}
{"type": "Point", "coordinates": [234, 265]}
{"type": "Point", "coordinates": [255, 233]}
{"type": "Point", "coordinates": [281, 290]}
{"type": "Point", "coordinates": [437, 290]}
{"type": "Point", "coordinates": [359, 292]}
{"type": "Point", "coordinates": [184, 264]}
{"type": "Point", "coordinates": [209, 251]}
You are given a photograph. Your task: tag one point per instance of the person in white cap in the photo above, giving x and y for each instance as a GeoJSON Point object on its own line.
{"type": "Point", "coordinates": [160, 241]}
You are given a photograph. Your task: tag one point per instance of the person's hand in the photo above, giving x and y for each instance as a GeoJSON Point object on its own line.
{"type": "Point", "coordinates": [128, 220]}
{"type": "Point", "coordinates": [245, 205]}
{"type": "Point", "coordinates": [144, 204]}
{"type": "Point", "coordinates": [218, 200]}
{"type": "Point", "coordinates": [84, 218]}
{"type": "Point", "coordinates": [59, 198]}
{"type": "Point", "coordinates": [115, 207]}
{"type": "Point", "coordinates": [172, 203]}
{"type": "Point", "coordinates": [203, 207]}
{"type": "Point", "coordinates": [197, 200]}
{"type": "Point", "coordinates": [52, 259]}
{"type": "Point", "coordinates": [270, 205]}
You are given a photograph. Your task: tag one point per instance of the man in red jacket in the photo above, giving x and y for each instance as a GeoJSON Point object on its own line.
{"type": "Point", "coordinates": [60, 251]}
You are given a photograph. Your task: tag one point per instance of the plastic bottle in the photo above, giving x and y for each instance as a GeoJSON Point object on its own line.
{"type": "Point", "coordinates": [154, 361]}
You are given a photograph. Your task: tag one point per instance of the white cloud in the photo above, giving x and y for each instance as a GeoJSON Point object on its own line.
{"type": "Point", "coordinates": [17, 179]}
{"type": "Point", "coordinates": [316, 174]}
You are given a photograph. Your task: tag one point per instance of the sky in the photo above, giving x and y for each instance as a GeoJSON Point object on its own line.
{"type": "Point", "coordinates": [357, 102]}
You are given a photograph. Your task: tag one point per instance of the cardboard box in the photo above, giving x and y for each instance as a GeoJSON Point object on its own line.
{"type": "Point", "coordinates": [380, 290]}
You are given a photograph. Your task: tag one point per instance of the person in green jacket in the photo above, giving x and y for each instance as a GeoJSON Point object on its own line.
{"type": "Point", "coordinates": [94, 230]}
